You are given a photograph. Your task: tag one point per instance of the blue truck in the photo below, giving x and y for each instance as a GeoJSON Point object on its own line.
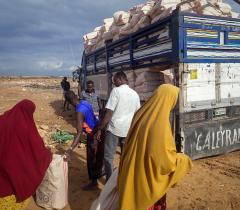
{"type": "Point", "coordinates": [204, 52]}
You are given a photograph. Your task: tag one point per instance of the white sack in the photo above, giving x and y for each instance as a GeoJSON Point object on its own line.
{"type": "Point", "coordinates": [134, 20]}
{"type": "Point", "coordinates": [147, 76]}
{"type": "Point", "coordinates": [126, 29]}
{"type": "Point", "coordinates": [109, 197]}
{"type": "Point", "coordinates": [164, 14]}
{"type": "Point", "coordinates": [145, 96]}
{"type": "Point", "coordinates": [210, 10]}
{"type": "Point", "coordinates": [91, 35]}
{"type": "Point", "coordinates": [164, 2]}
{"type": "Point", "coordinates": [146, 9]}
{"type": "Point", "coordinates": [107, 35]}
{"type": "Point", "coordinates": [156, 10]}
{"type": "Point", "coordinates": [235, 14]}
{"type": "Point", "coordinates": [148, 86]}
{"type": "Point", "coordinates": [168, 76]}
{"type": "Point", "coordinates": [121, 18]}
{"type": "Point", "coordinates": [144, 21]}
{"type": "Point", "coordinates": [225, 8]}
{"type": "Point", "coordinates": [131, 84]}
{"type": "Point", "coordinates": [108, 21]}
{"type": "Point", "coordinates": [53, 191]}
{"type": "Point", "coordinates": [97, 28]}
{"type": "Point", "coordinates": [131, 76]}
{"type": "Point", "coordinates": [115, 29]}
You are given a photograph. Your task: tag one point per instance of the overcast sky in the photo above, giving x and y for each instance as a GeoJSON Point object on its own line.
{"type": "Point", "coordinates": [44, 37]}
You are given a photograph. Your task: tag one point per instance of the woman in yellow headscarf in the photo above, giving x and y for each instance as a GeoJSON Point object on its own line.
{"type": "Point", "coordinates": [150, 164]}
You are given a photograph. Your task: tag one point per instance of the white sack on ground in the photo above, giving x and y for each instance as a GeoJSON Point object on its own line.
{"type": "Point", "coordinates": [53, 191]}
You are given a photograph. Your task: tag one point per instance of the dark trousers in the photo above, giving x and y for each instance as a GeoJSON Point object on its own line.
{"type": "Point", "coordinates": [94, 159]}
{"type": "Point", "coordinates": [110, 145]}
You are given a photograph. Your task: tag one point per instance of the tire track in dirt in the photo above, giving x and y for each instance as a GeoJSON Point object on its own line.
{"type": "Point", "coordinates": [224, 167]}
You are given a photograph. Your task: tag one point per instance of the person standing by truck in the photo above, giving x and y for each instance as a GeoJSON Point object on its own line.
{"type": "Point", "coordinates": [92, 97]}
{"type": "Point", "coordinates": [121, 106]}
{"type": "Point", "coordinates": [150, 164]}
{"type": "Point", "coordinates": [87, 122]}
{"type": "Point", "coordinates": [66, 87]}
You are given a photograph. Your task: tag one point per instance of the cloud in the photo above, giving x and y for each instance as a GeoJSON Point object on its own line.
{"type": "Point", "coordinates": [54, 65]}
{"type": "Point", "coordinates": [32, 31]}
{"type": "Point", "coordinates": [44, 37]}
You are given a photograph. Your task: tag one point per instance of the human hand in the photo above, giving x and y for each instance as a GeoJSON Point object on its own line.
{"type": "Point", "coordinates": [98, 135]}
{"type": "Point", "coordinates": [67, 155]}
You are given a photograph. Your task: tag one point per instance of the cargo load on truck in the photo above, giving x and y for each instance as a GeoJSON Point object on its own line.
{"type": "Point", "coordinates": [124, 23]}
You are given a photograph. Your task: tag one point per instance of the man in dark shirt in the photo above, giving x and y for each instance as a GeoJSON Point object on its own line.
{"type": "Point", "coordinates": [66, 87]}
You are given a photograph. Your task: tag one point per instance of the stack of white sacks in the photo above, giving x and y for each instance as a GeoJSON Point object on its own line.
{"type": "Point", "coordinates": [124, 23]}
{"type": "Point", "coordinates": [146, 80]}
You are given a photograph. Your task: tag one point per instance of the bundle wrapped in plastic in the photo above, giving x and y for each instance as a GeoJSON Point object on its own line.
{"type": "Point", "coordinates": [121, 18]}
{"type": "Point", "coordinates": [147, 76]}
{"type": "Point", "coordinates": [108, 21]}
{"type": "Point", "coordinates": [148, 86]}
{"type": "Point", "coordinates": [115, 29]}
{"type": "Point", "coordinates": [107, 36]}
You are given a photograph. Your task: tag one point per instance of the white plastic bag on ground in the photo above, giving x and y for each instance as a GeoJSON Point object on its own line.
{"type": "Point", "coordinates": [53, 191]}
{"type": "Point", "coordinates": [109, 197]}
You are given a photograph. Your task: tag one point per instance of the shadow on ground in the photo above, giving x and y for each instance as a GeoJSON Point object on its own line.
{"type": "Point", "coordinates": [68, 116]}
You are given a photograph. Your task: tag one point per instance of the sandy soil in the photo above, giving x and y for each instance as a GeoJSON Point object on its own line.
{"type": "Point", "coordinates": [213, 183]}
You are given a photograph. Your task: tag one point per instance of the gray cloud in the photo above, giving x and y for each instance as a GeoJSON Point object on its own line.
{"type": "Point", "coordinates": [44, 37]}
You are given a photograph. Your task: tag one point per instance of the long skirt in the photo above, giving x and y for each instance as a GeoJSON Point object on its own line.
{"type": "Point", "coordinates": [160, 204]}
{"type": "Point", "coordinates": [95, 158]}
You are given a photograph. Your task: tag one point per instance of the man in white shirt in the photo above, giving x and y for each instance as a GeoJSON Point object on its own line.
{"type": "Point", "coordinates": [123, 102]}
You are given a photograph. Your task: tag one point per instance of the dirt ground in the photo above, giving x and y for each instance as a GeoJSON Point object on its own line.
{"type": "Point", "coordinates": [213, 183]}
